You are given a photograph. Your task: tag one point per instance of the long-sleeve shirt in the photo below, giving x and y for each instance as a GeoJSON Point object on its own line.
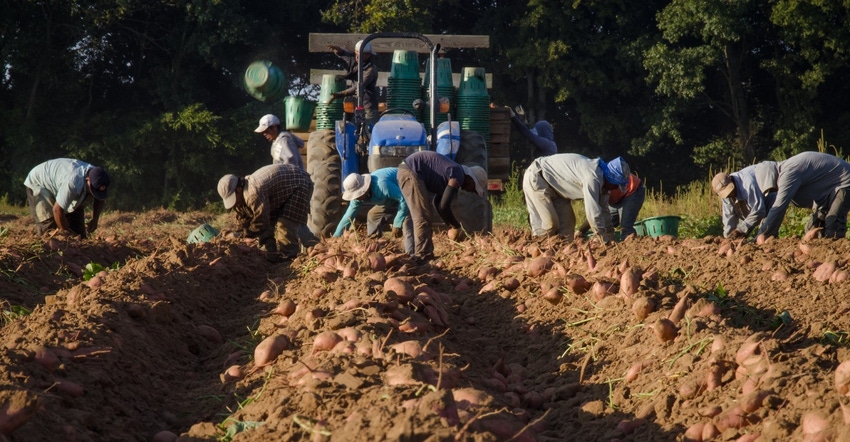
{"type": "Point", "coordinates": [755, 191]}
{"type": "Point", "coordinates": [806, 179]}
{"type": "Point", "coordinates": [271, 192]}
{"type": "Point", "coordinates": [384, 188]}
{"type": "Point", "coordinates": [64, 179]}
{"type": "Point", "coordinates": [435, 171]}
{"type": "Point", "coordinates": [576, 177]}
{"type": "Point", "coordinates": [285, 149]}
{"type": "Point", "coordinates": [543, 140]}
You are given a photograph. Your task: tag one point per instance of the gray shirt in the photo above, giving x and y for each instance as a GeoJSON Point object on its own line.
{"type": "Point", "coordinates": [62, 181]}
{"type": "Point", "coordinates": [755, 189]}
{"type": "Point", "coordinates": [806, 179]}
{"type": "Point", "coordinates": [285, 149]}
{"type": "Point", "coordinates": [576, 177]}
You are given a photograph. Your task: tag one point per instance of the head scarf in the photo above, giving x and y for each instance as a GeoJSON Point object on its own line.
{"type": "Point", "coordinates": [616, 172]}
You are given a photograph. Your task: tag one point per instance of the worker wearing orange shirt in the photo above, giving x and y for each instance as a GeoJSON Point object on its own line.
{"type": "Point", "coordinates": [624, 206]}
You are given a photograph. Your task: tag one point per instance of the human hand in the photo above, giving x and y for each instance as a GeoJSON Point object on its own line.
{"type": "Point", "coordinates": [396, 232]}
{"type": "Point", "coordinates": [761, 239]}
{"type": "Point", "coordinates": [334, 96]}
{"type": "Point", "coordinates": [513, 114]}
{"type": "Point", "coordinates": [335, 49]}
{"type": "Point", "coordinates": [735, 234]}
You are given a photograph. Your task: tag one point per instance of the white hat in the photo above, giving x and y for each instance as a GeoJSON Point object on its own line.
{"type": "Point", "coordinates": [368, 47]}
{"type": "Point", "coordinates": [355, 186]}
{"type": "Point", "coordinates": [479, 175]}
{"type": "Point", "coordinates": [265, 122]}
{"type": "Point", "coordinates": [227, 189]}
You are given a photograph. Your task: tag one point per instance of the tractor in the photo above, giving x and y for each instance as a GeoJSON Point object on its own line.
{"type": "Point", "coordinates": [353, 147]}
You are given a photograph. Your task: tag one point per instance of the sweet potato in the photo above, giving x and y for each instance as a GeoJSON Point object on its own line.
{"type": "Point", "coordinates": [642, 307]}
{"type": "Point", "coordinates": [400, 288]}
{"type": "Point", "coordinates": [665, 330]}
{"type": "Point", "coordinates": [487, 273]}
{"type": "Point", "coordinates": [842, 378]}
{"type": "Point", "coordinates": [824, 271]}
{"type": "Point", "coordinates": [681, 307]}
{"type": "Point", "coordinates": [269, 349]}
{"type": "Point", "coordinates": [553, 295]}
{"type": "Point", "coordinates": [539, 266]}
{"type": "Point", "coordinates": [578, 284]}
{"type": "Point", "coordinates": [17, 410]}
{"type": "Point", "coordinates": [377, 262]}
{"type": "Point", "coordinates": [630, 281]}
{"type": "Point", "coordinates": [325, 341]}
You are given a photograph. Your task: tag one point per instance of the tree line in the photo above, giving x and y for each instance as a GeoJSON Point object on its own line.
{"type": "Point", "coordinates": [152, 89]}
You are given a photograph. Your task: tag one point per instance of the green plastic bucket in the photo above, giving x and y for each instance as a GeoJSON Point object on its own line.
{"type": "Point", "coordinates": [640, 230]}
{"type": "Point", "coordinates": [405, 65]}
{"type": "Point", "coordinates": [204, 233]}
{"type": "Point", "coordinates": [265, 81]}
{"type": "Point", "coordinates": [299, 113]}
{"type": "Point", "coordinates": [662, 225]}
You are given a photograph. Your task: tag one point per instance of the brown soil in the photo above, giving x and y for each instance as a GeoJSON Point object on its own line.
{"type": "Point", "coordinates": [477, 355]}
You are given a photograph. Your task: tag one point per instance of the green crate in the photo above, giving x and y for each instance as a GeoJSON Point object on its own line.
{"type": "Point", "coordinates": [662, 225]}
{"type": "Point", "coordinates": [204, 233]}
{"type": "Point", "coordinates": [640, 229]}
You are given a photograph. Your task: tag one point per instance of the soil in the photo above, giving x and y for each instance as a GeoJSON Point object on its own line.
{"type": "Point", "coordinates": [164, 348]}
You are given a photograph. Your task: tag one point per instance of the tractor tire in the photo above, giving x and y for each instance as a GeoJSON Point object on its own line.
{"type": "Point", "coordinates": [472, 150]}
{"type": "Point", "coordinates": [324, 167]}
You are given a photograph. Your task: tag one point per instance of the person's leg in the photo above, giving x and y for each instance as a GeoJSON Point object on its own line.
{"type": "Point", "coordinates": [41, 210]}
{"type": "Point", "coordinates": [407, 232]}
{"type": "Point", "coordinates": [378, 218]}
{"type": "Point", "coordinates": [835, 222]}
{"type": "Point", "coordinates": [630, 208]}
{"type": "Point", "coordinates": [77, 220]}
{"type": "Point", "coordinates": [418, 203]}
{"type": "Point", "coordinates": [286, 234]}
{"type": "Point", "coordinates": [564, 214]}
{"type": "Point", "coordinates": [541, 210]}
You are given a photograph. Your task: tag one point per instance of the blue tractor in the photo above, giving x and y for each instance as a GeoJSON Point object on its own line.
{"type": "Point", "coordinates": [354, 147]}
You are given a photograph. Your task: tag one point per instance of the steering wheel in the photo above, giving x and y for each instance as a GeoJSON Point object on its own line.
{"type": "Point", "coordinates": [398, 111]}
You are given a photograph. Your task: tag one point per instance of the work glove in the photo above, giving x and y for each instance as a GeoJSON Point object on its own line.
{"type": "Point", "coordinates": [335, 49]}
{"type": "Point", "coordinates": [520, 110]}
{"type": "Point", "coordinates": [334, 96]}
{"type": "Point", "coordinates": [397, 232]}
{"type": "Point", "coordinates": [513, 114]}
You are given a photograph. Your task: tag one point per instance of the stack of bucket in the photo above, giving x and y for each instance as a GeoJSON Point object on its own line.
{"type": "Point", "coordinates": [299, 113]}
{"type": "Point", "coordinates": [326, 113]}
{"type": "Point", "coordinates": [265, 81]}
{"type": "Point", "coordinates": [445, 88]}
{"type": "Point", "coordinates": [404, 84]}
{"type": "Point", "coordinates": [473, 102]}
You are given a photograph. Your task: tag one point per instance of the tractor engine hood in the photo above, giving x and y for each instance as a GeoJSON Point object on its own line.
{"type": "Point", "coordinates": [398, 130]}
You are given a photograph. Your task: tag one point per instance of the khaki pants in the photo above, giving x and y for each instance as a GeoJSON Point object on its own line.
{"type": "Point", "coordinates": [418, 200]}
{"type": "Point", "coordinates": [41, 209]}
{"type": "Point", "coordinates": [548, 212]}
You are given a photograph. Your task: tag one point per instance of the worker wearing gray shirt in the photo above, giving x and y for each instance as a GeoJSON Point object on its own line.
{"type": "Point", "coordinates": [552, 182]}
{"type": "Point", "coordinates": [745, 196]}
{"type": "Point", "coordinates": [811, 179]}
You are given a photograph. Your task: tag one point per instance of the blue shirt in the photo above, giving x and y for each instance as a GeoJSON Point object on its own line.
{"type": "Point", "coordinates": [62, 180]}
{"type": "Point", "coordinates": [384, 188]}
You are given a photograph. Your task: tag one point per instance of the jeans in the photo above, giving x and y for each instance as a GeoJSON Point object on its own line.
{"type": "Point", "coordinates": [625, 212]}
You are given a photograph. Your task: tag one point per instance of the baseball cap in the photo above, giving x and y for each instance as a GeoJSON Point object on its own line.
{"type": "Point", "coordinates": [479, 175]}
{"type": "Point", "coordinates": [722, 185]}
{"type": "Point", "coordinates": [368, 47]}
{"type": "Point", "coordinates": [266, 121]}
{"type": "Point", "coordinates": [227, 189]}
{"type": "Point", "coordinates": [99, 180]}
{"type": "Point", "coordinates": [355, 185]}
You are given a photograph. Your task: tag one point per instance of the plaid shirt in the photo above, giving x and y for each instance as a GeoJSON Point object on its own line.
{"type": "Point", "coordinates": [272, 192]}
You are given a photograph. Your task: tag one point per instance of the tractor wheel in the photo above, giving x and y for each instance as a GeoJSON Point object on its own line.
{"type": "Point", "coordinates": [324, 167]}
{"type": "Point", "coordinates": [472, 150]}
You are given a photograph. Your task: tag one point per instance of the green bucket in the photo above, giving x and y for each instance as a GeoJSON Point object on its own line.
{"type": "Point", "coordinates": [265, 81]}
{"type": "Point", "coordinates": [299, 113]}
{"type": "Point", "coordinates": [640, 230]}
{"type": "Point", "coordinates": [662, 225]}
{"type": "Point", "coordinates": [204, 233]}
{"type": "Point", "coordinates": [330, 85]}
{"type": "Point", "coordinates": [405, 65]}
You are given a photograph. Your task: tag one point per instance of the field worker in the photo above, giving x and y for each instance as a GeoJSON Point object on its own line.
{"type": "Point", "coordinates": [381, 188]}
{"type": "Point", "coordinates": [59, 190]}
{"type": "Point", "coordinates": [285, 144]}
{"type": "Point", "coordinates": [745, 196]}
{"type": "Point", "coordinates": [811, 179]}
{"type": "Point", "coordinates": [551, 183]}
{"type": "Point", "coordinates": [624, 206]}
{"type": "Point", "coordinates": [542, 137]}
{"type": "Point", "coordinates": [370, 78]}
{"type": "Point", "coordinates": [274, 198]}
{"type": "Point", "coordinates": [423, 175]}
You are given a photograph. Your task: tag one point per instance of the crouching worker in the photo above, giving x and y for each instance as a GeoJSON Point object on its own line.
{"type": "Point", "coordinates": [274, 200]}
{"type": "Point", "coordinates": [58, 192]}
{"type": "Point", "coordinates": [551, 183]}
{"type": "Point", "coordinates": [424, 175]}
{"type": "Point", "coordinates": [381, 188]}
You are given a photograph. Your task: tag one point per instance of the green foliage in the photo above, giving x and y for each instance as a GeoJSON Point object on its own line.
{"type": "Point", "coordinates": [509, 207]}
{"type": "Point", "coordinates": [232, 427]}
{"type": "Point", "coordinates": [93, 268]}
{"type": "Point", "coordinates": [9, 313]}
